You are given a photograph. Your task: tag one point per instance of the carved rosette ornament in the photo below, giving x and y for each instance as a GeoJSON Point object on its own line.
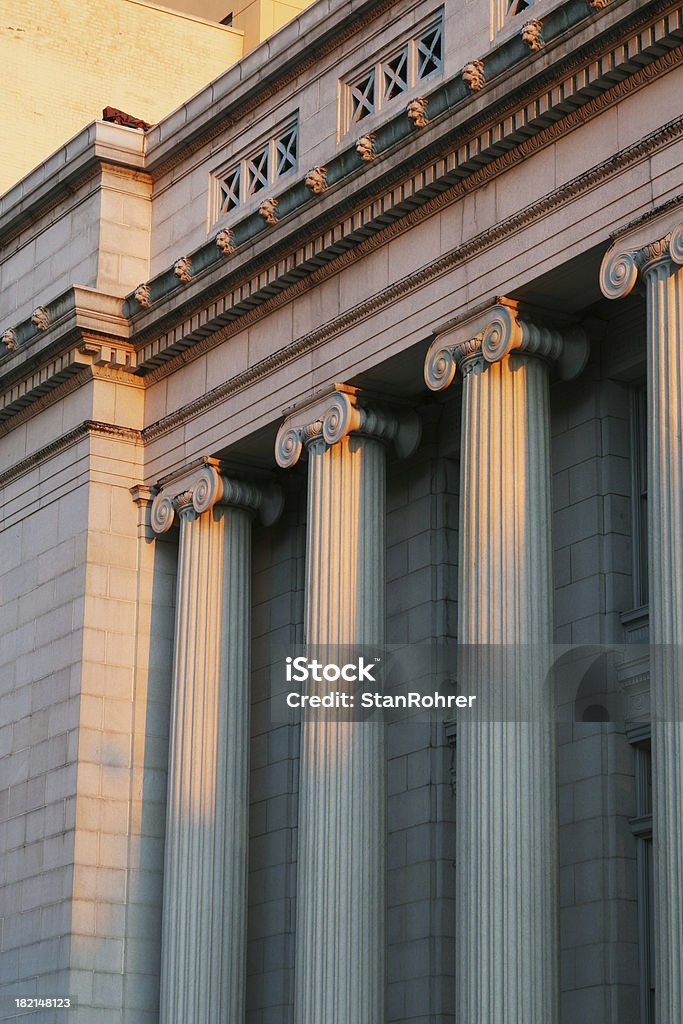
{"type": "Point", "coordinates": [316, 180]}
{"type": "Point", "coordinates": [143, 296]}
{"type": "Point", "coordinates": [9, 339]}
{"type": "Point", "coordinates": [365, 146]}
{"type": "Point", "coordinates": [182, 269]}
{"type": "Point", "coordinates": [346, 412]}
{"type": "Point", "coordinates": [532, 35]}
{"type": "Point", "coordinates": [473, 75]}
{"type": "Point", "coordinates": [40, 318]}
{"type": "Point", "coordinates": [417, 111]}
{"type": "Point", "coordinates": [224, 241]}
{"type": "Point", "coordinates": [267, 210]}
{"type": "Point", "coordinates": [497, 333]}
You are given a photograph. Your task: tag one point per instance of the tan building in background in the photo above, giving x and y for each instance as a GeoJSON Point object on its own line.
{"type": "Point", "coordinates": [65, 62]}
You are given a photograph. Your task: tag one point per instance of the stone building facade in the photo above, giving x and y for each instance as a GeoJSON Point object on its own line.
{"type": "Point", "coordinates": [372, 342]}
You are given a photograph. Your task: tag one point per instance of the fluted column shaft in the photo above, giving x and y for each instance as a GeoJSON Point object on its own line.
{"type": "Point", "coordinates": [506, 846]}
{"type": "Point", "coordinates": [339, 968]}
{"type": "Point", "coordinates": [340, 893]}
{"type": "Point", "coordinates": [203, 972]}
{"type": "Point", "coordinates": [506, 884]}
{"type": "Point", "coordinates": [664, 282]}
{"type": "Point", "coordinates": [660, 263]}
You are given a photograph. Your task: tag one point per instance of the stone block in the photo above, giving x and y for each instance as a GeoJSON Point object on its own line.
{"type": "Point", "coordinates": [575, 445]}
{"type": "Point", "coordinates": [581, 842]}
{"type": "Point", "coordinates": [617, 514]}
{"type": "Point", "coordinates": [585, 479]}
{"type": "Point", "coordinates": [419, 765]}
{"type": "Point", "coordinates": [107, 989]}
{"type": "Point", "coordinates": [586, 594]}
{"type": "Point", "coordinates": [410, 808]}
{"type": "Point", "coordinates": [578, 521]}
{"type": "Point", "coordinates": [409, 884]}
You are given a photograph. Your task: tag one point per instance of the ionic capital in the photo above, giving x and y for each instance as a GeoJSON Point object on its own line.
{"type": "Point", "coordinates": [335, 415]}
{"type": "Point", "coordinates": [497, 332]}
{"type": "Point", "coordinates": [199, 492]}
{"type": "Point", "coordinates": [629, 257]}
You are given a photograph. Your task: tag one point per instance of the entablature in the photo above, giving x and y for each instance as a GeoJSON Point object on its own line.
{"type": "Point", "coordinates": [468, 138]}
{"type": "Point", "coordinates": [82, 329]}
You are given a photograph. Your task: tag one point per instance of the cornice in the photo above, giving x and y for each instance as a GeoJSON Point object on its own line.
{"type": "Point", "coordinates": [446, 179]}
{"type": "Point", "coordinates": [66, 387]}
{"type": "Point", "coordinates": [72, 437]}
{"type": "Point", "coordinates": [405, 286]}
{"type": "Point", "coordinates": [80, 328]}
{"type": "Point", "coordinates": [245, 101]}
{"type": "Point", "coordinates": [498, 137]}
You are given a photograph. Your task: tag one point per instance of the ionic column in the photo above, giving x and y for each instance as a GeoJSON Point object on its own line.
{"type": "Point", "coordinates": [506, 852]}
{"type": "Point", "coordinates": [660, 264]}
{"type": "Point", "coordinates": [339, 969]}
{"type": "Point", "coordinates": [203, 952]}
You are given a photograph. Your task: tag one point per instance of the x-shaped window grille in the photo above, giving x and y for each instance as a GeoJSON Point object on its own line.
{"type": "Point", "coordinates": [363, 97]}
{"type": "Point", "coordinates": [430, 52]}
{"type": "Point", "coordinates": [395, 72]}
{"type": "Point", "coordinates": [517, 6]}
{"type": "Point", "coordinates": [230, 191]}
{"type": "Point", "coordinates": [285, 151]}
{"type": "Point", "coordinates": [257, 172]}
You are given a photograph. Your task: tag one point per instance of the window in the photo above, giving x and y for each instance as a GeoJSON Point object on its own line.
{"type": "Point", "coordinates": [227, 20]}
{"type": "Point", "coordinates": [256, 172]}
{"type": "Point", "coordinates": [639, 494]}
{"type": "Point", "coordinates": [394, 75]}
{"type": "Point", "coordinates": [641, 826]}
{"type": "Point", "coordinates": [503, 10]}
{"type": "Point", "coordinates": [363, 97]}
{"type": "Point", "coordinates": [430, 51]}
{"type": "Point", "coordinates": [517, 6]}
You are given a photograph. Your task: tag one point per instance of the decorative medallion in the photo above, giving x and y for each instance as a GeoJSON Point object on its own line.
{"type": "Point", "coordinates": [224, 241]}
{"type": "Point", "coordinates": [40, 318]}
{"type": "Point", "coordinates": [267, 211]}
{"type": "Point", "coordinates": [531, 35]}
{"type": "Point", "coordinates": [316, 180]}
{"type": "Point", "coordinates": [417, 110]}
{"type": "Point", "coordinates": [473, 75]}
{"type": "Point", "coordinates": [182, 269]}
{"type": "Point", "coordinates": [9, 339]}
{"type": "Point", "coordinates": [365, 146]}
{"type": "Point", "coordinates": [143, 296]}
